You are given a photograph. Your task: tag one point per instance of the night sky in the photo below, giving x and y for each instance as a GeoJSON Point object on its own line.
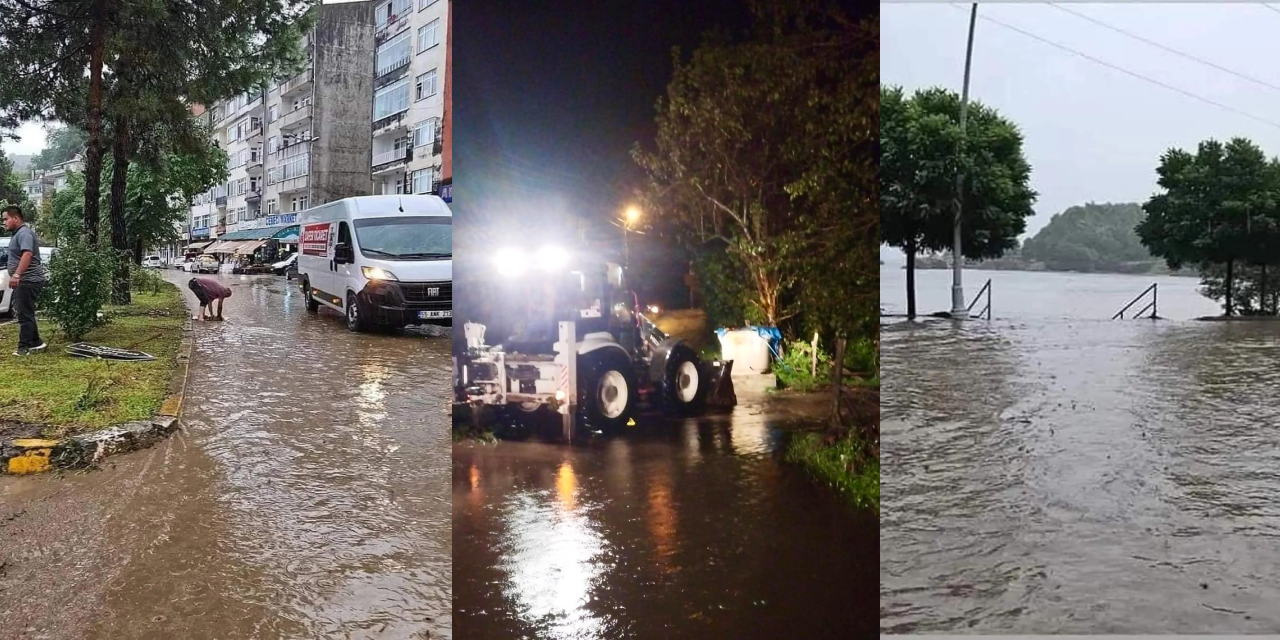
{"type": "Point", "coordinates": [550, 98]}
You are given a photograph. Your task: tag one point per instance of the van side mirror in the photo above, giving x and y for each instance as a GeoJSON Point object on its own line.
{"type": "Point", "coordinates": [342, 253]}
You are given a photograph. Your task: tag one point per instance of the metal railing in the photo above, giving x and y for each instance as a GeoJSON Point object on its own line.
{"type": "Point", "coordinates": [986, 288]}
{"type": "Point", "coordinates": [1151, 306]}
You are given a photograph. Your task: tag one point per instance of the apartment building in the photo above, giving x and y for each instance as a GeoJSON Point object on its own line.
{"type": "Point", "coordinates": [42, 184]}
{"type": "Point", "coordinates": [410, 69]}
{"type": "Point", "coordinates": [301, 141]}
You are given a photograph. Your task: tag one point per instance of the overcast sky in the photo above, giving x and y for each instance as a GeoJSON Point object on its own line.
{"type": "Point", "coordinates": [1093, 133]}
{"type": "Point", "coordinates": [31, 142]}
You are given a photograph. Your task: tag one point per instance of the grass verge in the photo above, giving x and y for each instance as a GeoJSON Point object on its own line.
{"type": "Point", "coordinates": [839, 463]}
{"type": "Point", "coordinates": [69, 395]}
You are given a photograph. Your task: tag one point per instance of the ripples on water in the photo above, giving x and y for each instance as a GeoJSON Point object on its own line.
{"type": "Point", "coordinates": [1081, 476]}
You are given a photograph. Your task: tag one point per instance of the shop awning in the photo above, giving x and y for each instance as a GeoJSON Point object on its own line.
{"type": "Point", "coordinates": [288, 234]}
{"type": "Point", "coordinates": [196, 246]}
{"type": "Point", "coordinates": [227, 247]}
{"type": "Point", "coordinates": [249, 246]}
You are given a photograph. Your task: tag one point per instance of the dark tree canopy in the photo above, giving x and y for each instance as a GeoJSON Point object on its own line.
{"type": "Point", "coordinates": [1089, 237]}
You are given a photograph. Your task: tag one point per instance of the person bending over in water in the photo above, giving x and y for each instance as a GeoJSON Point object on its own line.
{"type": "Point", "coordinates": [208, 291]}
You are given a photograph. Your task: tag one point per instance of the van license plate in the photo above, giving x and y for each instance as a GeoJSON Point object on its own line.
{"type": "Point", "coordinates": [429, 315]}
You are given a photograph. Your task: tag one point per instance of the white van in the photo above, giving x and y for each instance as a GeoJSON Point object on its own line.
{"type": "Point", "coordinates": [380, 260]}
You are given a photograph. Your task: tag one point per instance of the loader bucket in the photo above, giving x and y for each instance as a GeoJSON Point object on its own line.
{"type": "Point", "coordinates": [721, 393]}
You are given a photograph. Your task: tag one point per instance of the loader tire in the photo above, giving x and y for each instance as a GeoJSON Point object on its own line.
{"type": "Point", "coordinates": [607, 390]}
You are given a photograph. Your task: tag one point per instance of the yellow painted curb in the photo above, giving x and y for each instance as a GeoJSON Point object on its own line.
{"type": "Point", "coordinates": [33, 460]}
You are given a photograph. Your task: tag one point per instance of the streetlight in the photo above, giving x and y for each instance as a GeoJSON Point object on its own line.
{"type": "Point", "coordinates": [958, 308]}
{"type": "Point", "coordinates": [632, 215]}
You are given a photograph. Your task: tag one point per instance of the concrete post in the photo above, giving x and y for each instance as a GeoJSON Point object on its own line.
{"type": "Point", "coordinates": [568, 350]}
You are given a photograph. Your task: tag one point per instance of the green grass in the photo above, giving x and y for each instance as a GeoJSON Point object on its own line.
{"type": "Point", "coordinates": [69, 395]}
{"type": "Point", "coordinates": [840, 465]}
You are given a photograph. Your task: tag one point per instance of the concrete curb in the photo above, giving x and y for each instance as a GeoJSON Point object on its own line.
{"type": "Point", "coordinates": [35, 455]}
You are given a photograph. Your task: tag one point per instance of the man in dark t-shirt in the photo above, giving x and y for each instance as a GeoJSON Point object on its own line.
{"type": "Point", "coordinates": [27, 278]}
{"type": "Point", "coordinates": [208, 291]}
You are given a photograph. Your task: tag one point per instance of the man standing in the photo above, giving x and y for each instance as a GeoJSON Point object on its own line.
{"type": "Point", "coordinates": [27, 278]}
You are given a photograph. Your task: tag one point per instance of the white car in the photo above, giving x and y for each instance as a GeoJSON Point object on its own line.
{"type": "Point", "coordinates": [153, 262]}
{"type": "Point", "coordinates": [177, 262]}
{"type": "Point", "coordinates": [379, 260]}
{"type": "Point", "coordinates": [6, 294]}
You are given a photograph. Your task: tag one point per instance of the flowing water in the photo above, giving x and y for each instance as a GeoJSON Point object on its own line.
{"type": "Point", "coordinates": [307, 496]}
{"type": "Point", "coordinates": [686, 529]}
{"type": "Point", "coordinates": [1054, 471]}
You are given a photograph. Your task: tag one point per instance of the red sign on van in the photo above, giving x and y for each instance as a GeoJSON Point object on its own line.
{"type": "Point", "coordinates": [315, 239]}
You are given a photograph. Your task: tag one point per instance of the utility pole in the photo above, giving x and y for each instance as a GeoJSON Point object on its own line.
{"type": "Point", "coordinates": [958, 308]}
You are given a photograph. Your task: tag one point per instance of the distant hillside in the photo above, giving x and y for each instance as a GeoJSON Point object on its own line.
{"type": "Point", "coordinates": [21, 163]}
{"type": "Point", "coordinates": [1092, 237]}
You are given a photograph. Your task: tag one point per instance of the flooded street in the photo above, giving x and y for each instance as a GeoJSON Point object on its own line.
{"type": "Point", "coordinates": [306, 496]}
{"type": "Point", "coordinates": [1052, 471]}
{"type": "Point", "coordinates": [674, 530]}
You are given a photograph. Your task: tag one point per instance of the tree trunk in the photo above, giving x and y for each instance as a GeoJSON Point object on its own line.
{"type": "Point", "coordinates": [837, 380]}
{"type": "Point", "coordinates": [119, 234]}
{"type": "Point", "coordinates": [1230, 284]}
{"type": "Point", "coordinates": [911, 280]}
{"type": "Point", "coordinates": [1262, 295]}
{"type": "Point", "coordinates": [93, 149]}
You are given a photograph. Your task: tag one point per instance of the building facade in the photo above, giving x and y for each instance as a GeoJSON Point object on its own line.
{"type": "Point", "coordinates": [367, 116]}
{"type": "Point", "coordinates": [42, 184]}
{"type": "Point", "coordinates": [299, 142]}
{"type": "Point", "coordinates": [409, 95]}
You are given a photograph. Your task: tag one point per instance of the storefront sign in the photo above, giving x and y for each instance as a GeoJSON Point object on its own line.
{"type": "Point", "coordinates": [315, 239]}
{"type": "Point", "coordinates": [446, 192]}
{"type": "Point", "coordinates": [202, 232]}
{"type": "Point", "coordinates": [282, 218]}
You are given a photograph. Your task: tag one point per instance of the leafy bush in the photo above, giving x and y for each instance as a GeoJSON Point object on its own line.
{"type": "Point", "coordinates": [794, 368]}
{"type": "Point", "coordinates": [144, 280]}
{"type": "Point", "coordinates": [863, 356]}
{"type": "Point", "coordinates": [79, 285]}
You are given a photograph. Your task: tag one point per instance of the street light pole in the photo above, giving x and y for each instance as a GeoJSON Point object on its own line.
{"type": "Point", "coordinates": [958, 308]}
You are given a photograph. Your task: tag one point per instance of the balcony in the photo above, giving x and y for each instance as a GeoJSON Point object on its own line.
{"type": "Point", "coordinates": [297, 84]}
{"type": "Point", "coordinates": [293, 185]}
{"type": "Point", "coordinates": [221, 202]}
{"type": "Point", "coordinates": [394, 25]}
{"type": "Point", "coordinates": [391, 160]}
{"type": "Point", "coordinates": [254, 133]}
{"type": "Point", "coordinates": [254, 165]}
{"type": "Point", "coordinates": [295, 118]}
{"type": "Point", "coordinates": [383, 76]}
{"type": "Point", "coordinates": [390, 124]}
{"type": "Point", "coordinates": [253, 196]}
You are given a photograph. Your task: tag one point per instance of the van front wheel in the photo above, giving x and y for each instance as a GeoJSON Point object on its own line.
{"type": "Point", "coordinates": [355, 320]}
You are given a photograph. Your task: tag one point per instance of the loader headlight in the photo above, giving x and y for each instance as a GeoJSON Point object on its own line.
{"type": "Point", "coordinates": [509, 262]}
{"type": "Point", "coordinates": [377, 273]}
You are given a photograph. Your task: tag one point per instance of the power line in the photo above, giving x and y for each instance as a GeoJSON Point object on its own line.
{"type": "Point", "coordinates": [1267, 6]}
{"type": "Point", "coordinates": [1128, 72]}
{"type": "Point", "coordinates": [1172, 50]}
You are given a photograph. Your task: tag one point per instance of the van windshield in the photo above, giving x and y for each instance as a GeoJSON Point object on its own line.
{"type": "Point", "coordinates": [406, 238]}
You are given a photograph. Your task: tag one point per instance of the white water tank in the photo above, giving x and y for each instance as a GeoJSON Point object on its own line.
{"type": "Point", "coordinates": [748, 351]}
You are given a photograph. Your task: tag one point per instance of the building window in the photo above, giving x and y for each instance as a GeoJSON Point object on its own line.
{"type": "Point", "coordinates": [273, 144]}
{"type": "Point", "coordinates": [393, 54]}
{"type": "Point", "coordinates": [427, 85]}
{"type": "Point", "coordinates": [424, 133]}
{"type": "Point", "coordinates": [429, 35]}
{"type": "Point", "coordinates": [272, 207]}
{"type": "Point", "coordinates": [423, 4]}
{"type": "Point", "coordinates": [391, 99]}
{"type": "Point", "coordinates": [390, 12]}
{"type": "Point", "coordinates": [273, 113]}
{"type": "Point", "coordinates": [298, 203]}
{"type": "Point", "coordinates": [422, 180]}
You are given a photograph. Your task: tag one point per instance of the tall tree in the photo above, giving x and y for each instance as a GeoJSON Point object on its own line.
{"type": "Point", "coordinates": [1218, 207]}
{"type": "Point", "coordinates": [922, 152]}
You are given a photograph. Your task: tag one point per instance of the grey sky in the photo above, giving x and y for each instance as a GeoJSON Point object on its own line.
{"type": "Point", "coordinates": [1093, 133]}
{"type": "Point", "coordinates": [32, 139]}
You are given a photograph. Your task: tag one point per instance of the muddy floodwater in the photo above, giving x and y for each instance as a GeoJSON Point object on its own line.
{"type": "Point", "coordinates": [307, 496]}
{"type": "Point", "coordinates": [674, 530]}
{"type": "Point", "coordinates": [1053, 471]}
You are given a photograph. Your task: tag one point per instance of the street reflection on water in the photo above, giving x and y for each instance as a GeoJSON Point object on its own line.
{"type": "Point", "coordinates": [1055, 472]}
{"type": "Point", "coordinates": [683, 529]}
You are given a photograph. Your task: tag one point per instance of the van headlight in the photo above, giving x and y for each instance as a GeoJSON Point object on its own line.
{"type": "Point", "coordinates": [377, 273]}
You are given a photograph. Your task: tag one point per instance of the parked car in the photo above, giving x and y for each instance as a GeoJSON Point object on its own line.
{"type": "Point", "coordinates": [288, 266]}
{"type": "Point", "coordinates": [178, 262]}
{"type": "Point", "coordinates": [379, 260]}
{"type": "Point", "coordinates": [6, 294]}
{"type": "Point", "coordinates": [206, 264]}
{"type": "Point", "coordinates": [153, 262]}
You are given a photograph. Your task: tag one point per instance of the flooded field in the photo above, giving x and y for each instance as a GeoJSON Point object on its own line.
{"type": "Point", "coordinates": [306, 498]}
{"type": "Point", "coordinates": [1053, 471]}
{"type": "Point", "coordinates": [684, 529]}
